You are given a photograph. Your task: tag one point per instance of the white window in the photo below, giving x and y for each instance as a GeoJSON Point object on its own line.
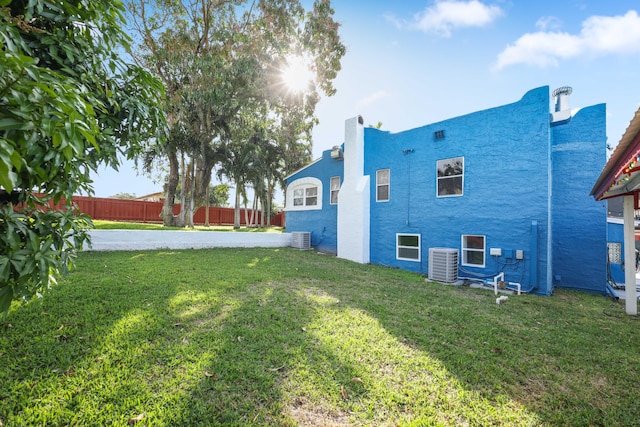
{"type": "Point", "coordinates": [615, 252]}
{"type": "Point", "coordinates": [473, 250]}
{"type": "Point", "coordinates": [311, 196]}
{"type": "Point", "coordinates": [298, 197]}
{"type": "Point", "coordinates": [304, 194]}
{"type": "Point", "coordinates": [335, 188]}
{"type": "Point", "coordinates": [382, 185]}
{"type": "Point", "coordinates": [408, 247]}
{"type": "Point", "coordinates": [450, 176]}
{"type": "Point", "coordinates": [307, 196]}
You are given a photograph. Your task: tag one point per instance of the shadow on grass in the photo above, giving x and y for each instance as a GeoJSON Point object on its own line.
{"type": "Point", "coordinates": [283, 337]}
{"type": "Point", "coordinates": [321, 347]}
{"type": "Point", "coordinates": [157, 338]}
{"type": "Point", "coordinates": [533, 361]}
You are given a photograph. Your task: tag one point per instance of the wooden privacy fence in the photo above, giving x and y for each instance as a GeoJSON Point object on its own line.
{"type": "Point", "coordinates": [146, 211]}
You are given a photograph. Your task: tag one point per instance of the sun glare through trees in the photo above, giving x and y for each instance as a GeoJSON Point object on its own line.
{"type": "Point", "coordinates": [297, 74]}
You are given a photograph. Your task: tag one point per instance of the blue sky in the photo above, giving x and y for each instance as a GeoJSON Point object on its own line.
{"type": "Point", "coordinates": [415, 62]}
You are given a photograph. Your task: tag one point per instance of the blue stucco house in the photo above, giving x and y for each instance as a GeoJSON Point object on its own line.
{"type": "Point", "coordinates": [504, 190]}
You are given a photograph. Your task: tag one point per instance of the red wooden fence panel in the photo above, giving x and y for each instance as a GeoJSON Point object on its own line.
{"type": "Point", "coordinates": [146, 211]}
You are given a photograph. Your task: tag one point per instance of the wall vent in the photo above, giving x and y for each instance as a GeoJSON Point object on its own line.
{"type": "Point", "coordinates": [439, 134]}
{"type": "Point", "coordinates": [301, 240]}
{"type": "Point", "coordinates": [336, 153]}
{"type": "Point", "coordinates": [443, 264]}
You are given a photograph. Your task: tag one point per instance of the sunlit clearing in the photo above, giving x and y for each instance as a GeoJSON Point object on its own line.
{"type": "Point", "coordinates": [297, 73]}
{"type": "Point", "coordinates": [356, 355]}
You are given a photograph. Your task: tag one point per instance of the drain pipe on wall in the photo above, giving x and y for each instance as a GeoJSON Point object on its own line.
{"type": "Point", "coordinates": [533, 276]}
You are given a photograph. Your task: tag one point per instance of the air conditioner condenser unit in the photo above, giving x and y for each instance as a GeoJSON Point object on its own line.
{"type": "Point", "coordinates": [301, 240]}
{"type": "Point", "coordinates": [443, 264]}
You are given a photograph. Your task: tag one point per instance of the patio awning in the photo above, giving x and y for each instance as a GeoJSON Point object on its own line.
{"type": "Point", "coordinates": [621, 174]}
{"type": "Point", "coordinates": [621, 177]}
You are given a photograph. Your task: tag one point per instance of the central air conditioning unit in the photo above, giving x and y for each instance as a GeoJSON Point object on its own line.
{"type": "Point", "coordinates": [301, 240]}
{"type": "Point", "coordinates": [443, 264]}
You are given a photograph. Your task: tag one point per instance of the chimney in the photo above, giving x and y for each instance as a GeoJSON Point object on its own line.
{"type": "Point", "coordinates": [353, 149]}
{"type": "Point", "coordinates": [562, 111]}
{"type": "Point", "coordinates": [562, 97]}
{"type": "Point", "coordinates": [354, 197]}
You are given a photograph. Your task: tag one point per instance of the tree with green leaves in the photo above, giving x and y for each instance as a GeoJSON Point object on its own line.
{"type": "Point", "coordinates": [68, 104]}
{"type": "Point", "coordinates": [219, 195]}
{"type": "Point", "coordinates": [237, 158]}
{"type": "Point", "coordinates": [223, 61]}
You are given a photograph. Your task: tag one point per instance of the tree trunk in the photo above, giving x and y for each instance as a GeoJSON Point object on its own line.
{"type": "Point", "coordinates": [192, 190]}
{"type": "Point", "coordinates": [265, 213]}
{"type": "Point", "coordinates": [254, 208]}
{"type": "Point", "coordinates": [236, 210]}
{"type": "Point", "coordinates": [246, 213]}
{"type": "Point", "coordinates": [204, 168]}
{"type": "Point", "coordinates": [207, 203]}
{"type": "Point", "coordinates": [168, 219]}
{"type": "Point", "coordinates": [183, 194]}
{"type": "Point", "coordinates": [269, 202]}
{"type": "Point", "coordinates": [190, 211]}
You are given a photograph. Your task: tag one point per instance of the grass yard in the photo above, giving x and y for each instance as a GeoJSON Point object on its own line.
{"type": "Point", "coordinates": [100, 224]}
{"type": "Point", "coordinates": [279, 337]}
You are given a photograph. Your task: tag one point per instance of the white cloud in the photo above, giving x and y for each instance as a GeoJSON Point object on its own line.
{"type": "Point", "coordinates": [600, 35]}
{"type": "Point", "coordinates": [446, 15]}
{"type": "Point", "coordinates": [617, 34]}
{"type": "Point", "coordinates": [548, 23]}
{"type": "Point", "coordinates": [541, 49]}
{"type": "Point", "coordinates": [373, 98]}
{"type": "Point", "coordinates": [395, 21]}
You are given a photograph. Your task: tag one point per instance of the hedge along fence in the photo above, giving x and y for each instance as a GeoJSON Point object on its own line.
{"type": "Point", "coordinates": [147, 211]}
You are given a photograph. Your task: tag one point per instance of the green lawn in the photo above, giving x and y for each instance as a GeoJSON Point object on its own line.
{"type": "Point", "coordinates": [279, 337]}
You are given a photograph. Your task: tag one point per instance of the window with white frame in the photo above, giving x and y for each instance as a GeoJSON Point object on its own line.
{"type": "Point", "coordinates": [298, 197]}
{"type": "Point", "coordinates": [304, 194]}
{"type": "Point", "coordinates": [408, 247]}
{"type": "Point", "coordinates": [450, 176]}
{"type": "Point", "coordinates": [382, 185]}
{"type": "Point", "coordinates": [335, 188]}
{"type": "Point", "coordinates": [615, 252]}
{"type": "Point", "coordinates": [473, 250]}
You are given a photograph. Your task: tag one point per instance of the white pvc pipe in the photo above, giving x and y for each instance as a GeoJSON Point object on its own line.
{"type": "Point", "coordinates": [495, 282]}
{"type": "Point", "coordinates": [501, 277]}
{"type": "Point", "coordinates": [631, 301]}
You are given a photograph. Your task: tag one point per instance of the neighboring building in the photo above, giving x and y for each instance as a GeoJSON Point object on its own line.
{"type": "Point", "coordinates": [153, 197]}
{"type": "Point", "coordinates": [507, 189]}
